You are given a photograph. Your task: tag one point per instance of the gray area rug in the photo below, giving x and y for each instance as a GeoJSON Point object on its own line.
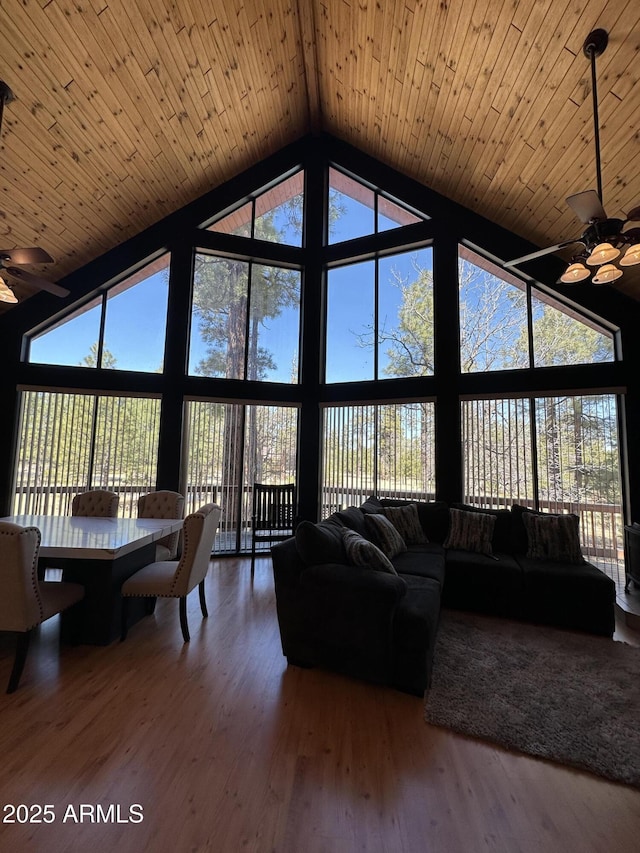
{"type": "Point", "coordinates": [568, 697]}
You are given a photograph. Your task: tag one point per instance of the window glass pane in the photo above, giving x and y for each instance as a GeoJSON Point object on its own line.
{"type": "Point", "coordinates": [405, 314]}
{"type": "Point", "coordinates": [387, 450]}
{"type": "Point", "coordinates": [579, 471]}
{"type": "Point", "coordinates": [351, 208]}
{"type": "Point", "coordinates": [69, 443]}
{"type": "Point", "coordinates": [279, 212]}
{"type": "Point", "coordinates": [561, 336]}
{"type": "Point", "coordinates": [238, 222]}
{"type": "Point", "coordinates": [136, 320]}
{"type": "Point", "coordinates": [350, 319]}
{"type": "Point", "coordinates": [493, 317]}
{"type": "Point", "coordinates": [392, 215]}
{"type": "Point", "coordinates": [498, 458]}
{"type": "Point", "coordinates": [274, 324]}
{"type": "Point", "coordinates": [229, 447]}
{"type": "Point", "coordinates": [218, 317]}
{"type": "Point", "coordinates": [72, 341]}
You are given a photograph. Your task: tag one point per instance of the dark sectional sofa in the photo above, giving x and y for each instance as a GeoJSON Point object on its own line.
{"type": "Point", "coordinates": [381, 625]}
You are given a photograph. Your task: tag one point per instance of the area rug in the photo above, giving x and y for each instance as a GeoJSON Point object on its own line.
{"type": "Point", "coordinates": [567, 697]}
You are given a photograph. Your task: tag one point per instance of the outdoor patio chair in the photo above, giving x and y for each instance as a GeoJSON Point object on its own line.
{"type": "Point", "coordinates": [273, 517]}
{"type": "Point", "coordinates": [26, 601]}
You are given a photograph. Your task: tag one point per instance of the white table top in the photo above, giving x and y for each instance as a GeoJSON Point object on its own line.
{"type": "Point", "coordinates": [95, 538]}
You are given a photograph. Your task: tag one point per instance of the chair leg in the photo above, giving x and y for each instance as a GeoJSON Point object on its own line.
{"type": "Point", "coordinates": [150, 605]}
{"type": "Point", "coordinates": [203, 601]}
{"type": "Point", "coordinates": [183, 618]}
{"type": "Point", "coordinates": [253, 557]}
{"type": "Point", "coordinates": [124, 626]}
{"type": "Point", "coordinates": [22, 647]}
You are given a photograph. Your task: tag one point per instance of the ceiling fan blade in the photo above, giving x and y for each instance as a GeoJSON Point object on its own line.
{"type": "Point", "coordinates": [36, 281]}
{"type": "Point", "coordinates": [540, 253]}
{"type": "Point", "coordinates": [634, 214]}
{"type": "Point", "coordinates": [587, 206]}
{"type": "Point", "coordinates": [26, 256]}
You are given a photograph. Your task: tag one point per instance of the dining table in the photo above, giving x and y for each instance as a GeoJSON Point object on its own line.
{"type": "Point", "coordinates": [100, 554]}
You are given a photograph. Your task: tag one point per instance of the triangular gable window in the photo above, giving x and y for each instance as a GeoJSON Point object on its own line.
{"type": "Point", "coordinates": [274, 215]}
{"type": "Point", "coordinates": [355, 210]}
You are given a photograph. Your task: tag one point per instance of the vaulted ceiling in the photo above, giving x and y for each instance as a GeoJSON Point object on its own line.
{"type": "Point", "coordinates": [126, 110]}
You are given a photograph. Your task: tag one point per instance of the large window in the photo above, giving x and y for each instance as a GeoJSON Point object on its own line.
{"type": "Point", "coordinates": [495, 318]}
{"type": "Point", "coordinates": [383, 449]}
{"type": "Point", "coordinates": [245, 320]}
{"type": "Point", "coordinates": [134, 316]}
{"type": "Point", "coordinates": [380, 318]}
{"type": "Point", "coordinates": [229, 448]}
{"type": "Point", "coordinates": [70, 443]}
{"type": "Point", "coordinates": [558, 454]}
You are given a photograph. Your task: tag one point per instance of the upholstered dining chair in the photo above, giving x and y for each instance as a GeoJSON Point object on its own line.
{"type": "Point", "coordinates": [176, 578]}
{"type": "Point", "coordinates": [26, 602]}
{"type": "Point", "coordinates": [163, 504]}
{"type": "Point", "coordinates": [97, 503]}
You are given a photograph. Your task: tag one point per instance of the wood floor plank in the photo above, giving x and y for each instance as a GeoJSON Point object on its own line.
{"type": "Point", "coordinates": [227, 749]}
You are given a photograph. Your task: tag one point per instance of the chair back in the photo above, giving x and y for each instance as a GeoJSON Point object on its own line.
{"type": "Point", "coordinates": [274, 508]}
{"type": "Point", "coordinates": [97, 503]}
{"type": "Point", "coordinates": [199, 531]}
{"type": "Point", "coordinates": [163, 504]}
{"type": "Point", "coordinates": [21, 605]}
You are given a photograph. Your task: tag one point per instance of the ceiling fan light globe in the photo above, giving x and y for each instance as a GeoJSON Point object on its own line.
{"type": "Point", "coordinates": [606, 274]}
{"type": "Point", "coordinates": [6, 294]}
{"type": "Point", "coordinates": [575, 272]}
{"type": "Point", "coordinates": [631, 256]}
{"type": "Point", "coordinates": [603, 253]}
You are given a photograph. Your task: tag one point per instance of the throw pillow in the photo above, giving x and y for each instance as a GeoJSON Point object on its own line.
{"type": "Point", "coordinates": [361, 552]}
{"type": "Point", "coordinates": [385, 534]}
{"type": "Point", "coordinates": [470, 531]}
{"type": "Point", "coordinates": [320, 543]}
{"type": "Point", "coordinates": [553, 537]}
{"type": "Point", "coordinates": [407, 522]}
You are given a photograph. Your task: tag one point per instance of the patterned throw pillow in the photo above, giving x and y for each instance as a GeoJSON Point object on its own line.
{"type": "Point", "coordinates": [385, 534]}
{"type": "Point", "coordinates": [470, 531]}
{"type": "Point", "coordinates": [361, 552]}
{"type": "Point", "coordinates": [553, 537]}
{"type": "Point", "coordinates": [407, 522]}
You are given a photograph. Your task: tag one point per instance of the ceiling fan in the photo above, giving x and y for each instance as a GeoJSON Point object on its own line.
{"type": "Point", "coordinates": [603, 241]}
{"type": "Point", "coordinates": [22, 256]}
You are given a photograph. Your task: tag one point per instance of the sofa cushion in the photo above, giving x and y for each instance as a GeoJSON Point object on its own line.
{"type": "Point", "coordinates": [320, 543]}
{"type": "Point", "coordinates": [501, 539]}
{"type": "Point", "coordinates": [407, 522]}
{"type": "Point", "coordinates": [361, 552]}
{"type": "Point", "coordinates": [553, 537]}
{"type": "Point", "coordinates": [470, 531]}
{"type": "Point", "coordinates": [434, 516]}
{"type": "Point", "coordinates": [372, 504]}
{"type": "Point", "coordinates": [578, 597]}
{"type": "Point", "coordinates": [477, 582]}
{"type": "Point", "coordinates": [426, 561]}
{"type": "Point", "coordinates": [385, 535]}
{"type": "Point", "coordinates": [353, 518]}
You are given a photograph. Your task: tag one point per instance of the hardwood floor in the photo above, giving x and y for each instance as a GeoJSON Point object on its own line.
{"type": "Point", "coordinates": [226, 749]}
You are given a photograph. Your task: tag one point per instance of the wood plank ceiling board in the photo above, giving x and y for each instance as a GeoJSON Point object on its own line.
{"type": "Point", "coordinates": [126, 110]}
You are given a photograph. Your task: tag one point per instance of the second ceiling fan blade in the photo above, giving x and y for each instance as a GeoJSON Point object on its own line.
{"type": "Point", "coordinates": [587, 206]}
{"type": "Point", "coordinates": [26, 256]}
{"type": "Point", "coordinates": [36, 281]}
{"type": "Point", "coordinates": [540, 253]}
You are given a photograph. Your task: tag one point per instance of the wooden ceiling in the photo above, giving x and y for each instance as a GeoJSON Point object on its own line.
{"type": "Point", "coordinates": [125, 110]}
